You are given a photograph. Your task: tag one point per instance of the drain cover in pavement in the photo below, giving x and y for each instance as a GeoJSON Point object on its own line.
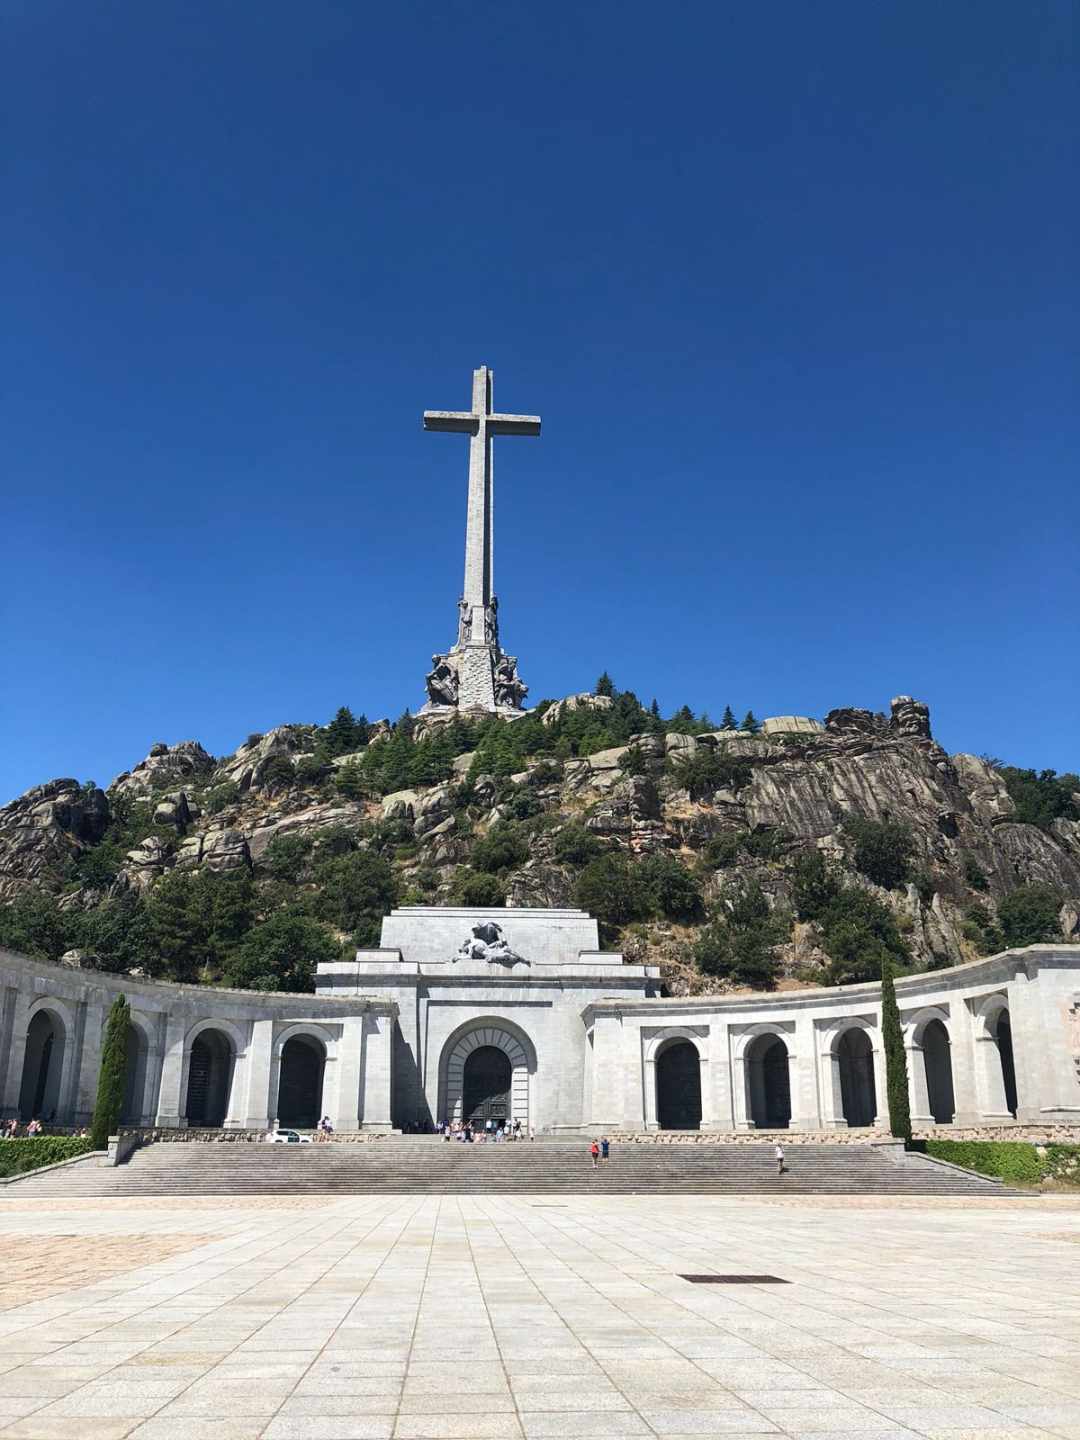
{"type": "Point", "coordinates": [735, 1279]}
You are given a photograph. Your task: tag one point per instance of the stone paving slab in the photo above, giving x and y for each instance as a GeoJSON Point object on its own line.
{"type": "Point", "coordinates": [479, 1318]}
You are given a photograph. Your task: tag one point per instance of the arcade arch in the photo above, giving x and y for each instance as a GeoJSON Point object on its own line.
{"type": "Point", "coordinates": [678, 1085]}
{"type": "Point", "coordinates": [211, 1062]}
{"type": "Point", "coordinates": [768, 1082]}
{"type": "Point", "coordinates": [300, 1081]}
{"type": "Point", "coordinates": [43, 1065]}
{"type": "Point", "coordinates": [479, 1082]}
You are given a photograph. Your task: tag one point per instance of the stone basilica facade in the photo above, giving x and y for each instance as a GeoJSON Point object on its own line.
{"type": "Point", "coordinates": [517, 1015]}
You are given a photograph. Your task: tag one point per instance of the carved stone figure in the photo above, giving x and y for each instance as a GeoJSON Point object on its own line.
{"type": "Point", "coordinates": [464, 622]}
{"type": "Point", "coordinates": [442, 681]}
{"type": "Point", "coordinates": [487, 943]}
{"type": "Point", "coordinates": [509, 690]}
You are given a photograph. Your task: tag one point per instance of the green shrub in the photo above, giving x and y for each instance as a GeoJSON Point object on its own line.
{"type": "Point", "coordinates": [1029, 914]}
{"type": "Point", "coordinates": [287, 856]}
{"type": "Point", "coordinates": [221, 797]}
{"type": "Point", "coordinates": [632, 761]}
{"type": "Point", "coordinates": [974, 873]}
{"type": "Point", "coordinates": [709, 769]}
{"type": "Point", "coordinates": [739, 943]}
{"type": "Point", "coordinates": [879, 849]}
{"type": "Point", "coordinates": [1015, 1161]}
{"type": "Point", "coordinates": [813, 885]}
{"type": "Point", "coordinates": [33, 1151]}
{"type": "Point", "coordinates": [1041, 796]}
{"type": "Point", "coordinates": [282, 954]}
{"type": "Point", "coordinates": [576, 845]}
{"type": "Point", "coordinates": [471, 887]}
{"type": "Point", "coordinates": [615, 891]}
{"type": "Point", "coordinates": [502, 848]}
{"type": "Point", "coordinates": [673, 890]}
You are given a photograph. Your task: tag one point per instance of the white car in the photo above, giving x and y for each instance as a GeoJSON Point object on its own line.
{"type": "Point", "coordinates": [287, 1137]}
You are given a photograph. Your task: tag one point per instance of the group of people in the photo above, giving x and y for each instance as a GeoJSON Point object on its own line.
{"type": "Point", "coordinates": [472, 1132]}
{"type": "Point", "coordinates": [9, 1129]}
{"type": "Point", "coordinates": [600, 1150]}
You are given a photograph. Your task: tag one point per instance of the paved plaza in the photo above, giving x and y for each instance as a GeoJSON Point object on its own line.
{"type": "Point", "coordinates": [424, 1317]}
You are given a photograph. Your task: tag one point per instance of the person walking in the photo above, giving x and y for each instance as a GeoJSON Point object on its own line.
{"type": "Point", "coordinates": [779, 1158]}
{"type": "Point", "coordinates": [605, 1149]}
{"type": "Point", "coordinates": [594, 1151]}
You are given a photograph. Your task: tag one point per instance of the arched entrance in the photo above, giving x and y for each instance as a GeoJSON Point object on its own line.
{"type": "Point", "coordinates": [937, 1066]}
{"type": "Point", "coordinates": [769, 1083]}
{"type": "Point", "coordinates": [486, 1086]}
{"type": "Point", "coordinates": [134, 1077]}
{"type": "Point", "coordinates": [678, 1086]}
{"type": "Point", "coordinates": [210, 1071]}
{"type": "Point", "coordinates": [300, 1087]}
{"type": "Point", "coordinates": [1002, 1033]}
{"type": "Point", "coordinates": [454, 1066]}
{"type": "Point", "coordinates": [855, 1058]}
{"type": "Point", "coordinates": [43, 1065]}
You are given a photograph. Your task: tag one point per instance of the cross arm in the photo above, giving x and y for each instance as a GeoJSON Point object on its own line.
{"type": "Point", "coordinates": [462, 421]}
{"type": "Point", "coordinates": [513, 424]}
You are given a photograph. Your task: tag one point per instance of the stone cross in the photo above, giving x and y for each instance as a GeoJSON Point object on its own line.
{"type": "Point", "coordinates": [481, 423]}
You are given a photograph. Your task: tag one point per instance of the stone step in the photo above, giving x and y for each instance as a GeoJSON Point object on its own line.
{"type": "Point", "coordinates": [401, 1167]}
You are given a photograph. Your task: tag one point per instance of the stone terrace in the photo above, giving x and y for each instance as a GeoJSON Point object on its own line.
{"type": "Point", "coordinates": [413, 1318]}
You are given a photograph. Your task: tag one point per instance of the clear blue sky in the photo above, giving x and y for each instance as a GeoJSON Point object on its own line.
{"type": "Point", "coordinates": [794, 288]}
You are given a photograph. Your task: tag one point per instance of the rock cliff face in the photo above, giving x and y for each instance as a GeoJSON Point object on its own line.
{"type": "Point", "coordinates": [796, 782]}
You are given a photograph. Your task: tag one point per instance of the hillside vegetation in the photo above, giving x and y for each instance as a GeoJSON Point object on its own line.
{"type": "Point", "coordinates": [731, 855]}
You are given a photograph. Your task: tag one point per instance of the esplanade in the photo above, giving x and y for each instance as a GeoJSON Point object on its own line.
{"type": "Point", "coordinates": [517, 1015]}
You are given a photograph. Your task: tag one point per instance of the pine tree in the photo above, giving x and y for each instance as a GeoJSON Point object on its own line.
{"type": "Point", "coordinates": [896, 1076]}
{"type": "Point", "coordinates": [728, 722]}
{"type": "Point", "coordinates": [654, 708]}
{"type": "Point", "coordinates": [605, 685]}
{"type": "Point", "coordinates": [112, 1079]}
{"type": "Point", "coordinates": [750, 722]}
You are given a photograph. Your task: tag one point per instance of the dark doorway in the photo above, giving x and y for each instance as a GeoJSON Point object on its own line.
{"type": "Point", "coordinates": [857, 1093]}
{"type": "Point", "coordinates": [134, 1077]}
{"type": "Point", "coordinates": [487, 1086]}
{"type": "Point", "coordinates": [937, 1063]}
{"type": "Point", "coordinates": [43, 1063]}
{"type": "Point", "coordinates": [678, 1087]}
{"type": "Point", "coordinates": [1003, 1040]}
{"type": "Point", "coordinates": [209, 1080]}
{"type": "Point", "coordinates": [300, 1088]}
{"type": "Point", "coordinates": [770, 1083]}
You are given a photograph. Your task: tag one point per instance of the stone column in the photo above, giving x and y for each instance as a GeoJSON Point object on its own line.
{"type": "Point", "coordinates": [918, 1093]}
{"type": "Point", "coordinates": [86, 1071]}
{"type": "Point", "coordinates": [805, 1113]}
{"type": "Point", "coordinates": [173, 1074]}
{"type": "Point", "coordinates": [720, 1110]}
{"type": "Point", "coordinates": [256, 1078]}
{"type": "Point", "coordinates": [1042, 1004]}
{"type": "Point", "coordinates": [376, 1081]}
{"type": "Point", "coordinates": [607, 1090]}
{"type": "Point", "coordinates": [16, 1017]}
{"type": "Point", "coordinates": [828, 1065]}
{"type": "Point", "coordinates": [740, 1086]}
{"type": "Point", "coordinates": [348, 1102]}
{"type": "Point", "coordinates": [962, 1057]}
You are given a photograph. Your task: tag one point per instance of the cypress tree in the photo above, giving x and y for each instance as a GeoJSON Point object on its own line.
{"type": "Point", "coordinates": [113, 1076]}
{"type": "Point", "coordinates": [896, 1076]}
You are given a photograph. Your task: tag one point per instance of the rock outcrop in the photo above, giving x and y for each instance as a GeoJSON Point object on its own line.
{"type": "Point", "coordinates": [762, 798]}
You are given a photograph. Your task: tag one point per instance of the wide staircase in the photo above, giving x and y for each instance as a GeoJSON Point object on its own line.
{"type": "Point", "coordinates": [427, 1166]}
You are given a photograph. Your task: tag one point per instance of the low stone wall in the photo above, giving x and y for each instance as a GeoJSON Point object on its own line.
{"type": "Point", "coordinates": [1033, 1134]}
{"type": "Point", "coordinates": [185, 1135]}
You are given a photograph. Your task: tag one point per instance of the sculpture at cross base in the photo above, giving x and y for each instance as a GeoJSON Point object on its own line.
{"type": "Point", "coordinates": [476, 674]}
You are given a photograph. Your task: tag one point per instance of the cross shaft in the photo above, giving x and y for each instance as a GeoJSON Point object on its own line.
{"type": "Point", "coordinates": [481, 424]}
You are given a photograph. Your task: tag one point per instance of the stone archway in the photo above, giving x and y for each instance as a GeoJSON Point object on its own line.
{"type": "Point", "coordinates": [138, 1049]}
{"type": "Point", "coordinates": [768, 1082]}
{"type": "Point", "coordinates": [855, 1063]}
{"type": "Point", "coordinates": [43, 1066]}
{"type": "Point", "coordinates": [209, 1079]}
{"type": "Point", "coordinates": [480, 1035]}
{"type": "Point", "coordinates": [937, 1068]}
{"type": "Point", "coordinates": [300, 1083]}
{"type": "Point", "coordinates": [1003, 1041]}
{"type": "Point", "coordinates": [678, 1086]}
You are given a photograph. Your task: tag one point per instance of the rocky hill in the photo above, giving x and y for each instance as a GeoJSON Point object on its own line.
{"type": "Point", "coordinates": [796, 853]}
